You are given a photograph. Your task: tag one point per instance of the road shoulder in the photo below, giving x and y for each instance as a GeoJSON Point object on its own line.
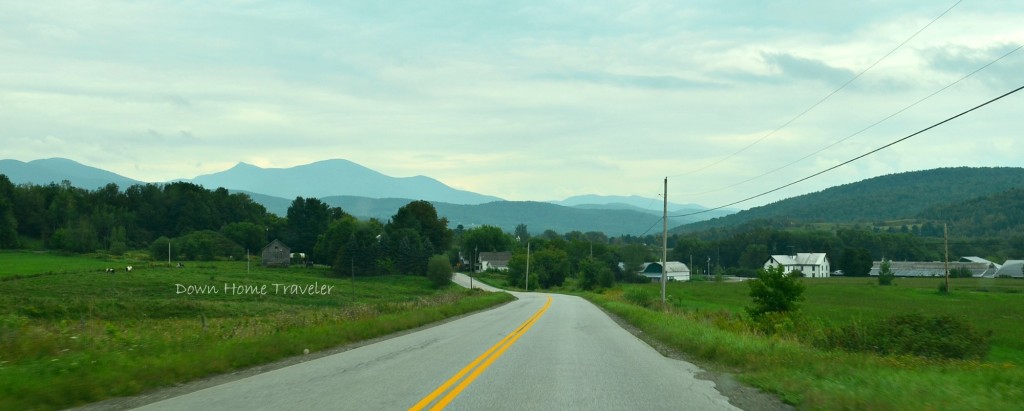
{"type": "Point", "coordinates": [740, 395]}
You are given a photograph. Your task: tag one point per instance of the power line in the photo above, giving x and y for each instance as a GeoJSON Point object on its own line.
{"type": "Point", "coordinates": [829, 95]}
{"type": "Point", "coordinates": [858, 157]}
{"type": "Point", "coordinates": [933, 94]}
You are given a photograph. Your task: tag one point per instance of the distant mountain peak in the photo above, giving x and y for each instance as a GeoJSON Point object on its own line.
{"type": "Point", "coordinates": [335, 177]}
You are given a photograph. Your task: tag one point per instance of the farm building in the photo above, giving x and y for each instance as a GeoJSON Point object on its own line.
{"type": "Point", "coordinates": [1011, 268]}
{"type": "Point", "coordinates": [674, 271]}
{"type": "Point", "coordinates": [933, 268]}
{"type": "Point", "coordinates": [495, 261]}
{"type": "Point", "coordinates": [813, 265]}
{"type": "Point", "coordinates": [276, 254]}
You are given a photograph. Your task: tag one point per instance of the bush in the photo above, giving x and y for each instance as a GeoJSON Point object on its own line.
{"type": "Point", "coordinates": [439, 271]}
{"type": "Point", "coordinates": [639, 296]}
{"type": "Point", "coordinates": [941, 336]}
{"type": "Point", "coordinates": [885, 275]}
{"type": "Point", "coordinates": [774, 291]}
{"type": "Point", "coordinates": [960, 272]}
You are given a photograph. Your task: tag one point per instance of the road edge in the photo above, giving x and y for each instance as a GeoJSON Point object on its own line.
{"type": "Point", "coordinates": [160, 394]}
{"type": "Point", "coordinates": [739, 394]}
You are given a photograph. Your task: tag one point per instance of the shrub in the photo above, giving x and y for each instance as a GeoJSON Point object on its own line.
{"type": "Point", "coordinates": [941, 336]}
{"type": "Point", "coordinates": [960, 272]}
{"type": "Point", "coordinates": [774, 291]}
{"type": "Point", "coordinates": [885, 275]}
{"type": "Point", "coordinates": [439, 271]}
{"type": "Point", "coordinates": [639, 296]}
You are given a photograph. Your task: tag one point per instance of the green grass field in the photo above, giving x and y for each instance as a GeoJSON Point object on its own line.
{"type": "Point", "coordinates": [703, 322]}
{"type": "Point", "coordinates": [71, 333]}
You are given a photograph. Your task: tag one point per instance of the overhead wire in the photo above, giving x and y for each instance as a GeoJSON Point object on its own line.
{"type": "Point", "coordinates": [823, 99]}
{"type": "Point", "coordinates": [858, 157]}
{"type": "Point", "coordinates": [933, 94]}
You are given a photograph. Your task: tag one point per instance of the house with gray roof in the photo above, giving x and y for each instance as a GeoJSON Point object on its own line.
{"type": "Point", "coordinates": [495, 260]}
{"type": "Point", "coordinates": [812, 265]}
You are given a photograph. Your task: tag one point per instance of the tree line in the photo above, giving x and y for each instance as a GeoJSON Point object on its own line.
{"type": "Point", "coordinates": [195, 223]}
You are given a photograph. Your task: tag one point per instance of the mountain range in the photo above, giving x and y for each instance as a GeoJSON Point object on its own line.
{"type": "Point", "coordinates": [366, 193]}
{"type": "Point", "coordinates": [335, 177]}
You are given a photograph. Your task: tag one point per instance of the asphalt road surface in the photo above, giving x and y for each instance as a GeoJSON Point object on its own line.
{"type": "Point", "coordinates": [543, 351]}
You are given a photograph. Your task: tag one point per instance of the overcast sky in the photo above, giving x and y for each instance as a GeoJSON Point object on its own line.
{"type": "Point", "coordinates": [521, 100]}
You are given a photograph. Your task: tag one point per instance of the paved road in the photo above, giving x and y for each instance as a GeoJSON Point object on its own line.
{"type": "Point", "coordinates": [464, 280]}
{"type": "Point", "coordinates": [539, 352]}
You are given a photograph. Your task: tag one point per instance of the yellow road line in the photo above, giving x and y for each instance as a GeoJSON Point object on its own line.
{"type": "Point", "coordinates": [475, 368]}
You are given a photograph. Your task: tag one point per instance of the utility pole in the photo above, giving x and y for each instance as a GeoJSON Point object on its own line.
{"type": "Point", "coordinates": [664, 242]}
{"type": "Point", "coordinates": [945, 237]}
{"type": "Point", "coordinates": [527, 265]}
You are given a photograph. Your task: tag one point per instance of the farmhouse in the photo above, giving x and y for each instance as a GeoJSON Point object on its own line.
{"type": "Point", "coordinates": [674, 270]}
{"type": "Point", "coordinates": [814, 265]}
{"type": "Point", "coordinates": [276, 254]}
{"type": "Point", "coordinates": [495, 261]}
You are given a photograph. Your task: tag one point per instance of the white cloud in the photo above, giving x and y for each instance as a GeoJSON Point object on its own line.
{"type": "Point", "coordinates": [523, 101]}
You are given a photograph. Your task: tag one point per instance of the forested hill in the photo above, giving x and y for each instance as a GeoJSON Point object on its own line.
{"type": "Point", "coordinates": [997, 215]}
{"type": "Point", "coordinates": [890, 197]}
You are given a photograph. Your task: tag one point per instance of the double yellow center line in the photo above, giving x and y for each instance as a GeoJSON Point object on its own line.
{"type": "Point", "coordinates": [477, 367]}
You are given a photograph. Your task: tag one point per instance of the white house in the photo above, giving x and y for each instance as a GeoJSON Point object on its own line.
{"type": "Point", "coordinates": [495, 261]}
{"type": "Point", "coordinates": [813, 265]}
{"type": "Point", "coordinates": [674, 270]}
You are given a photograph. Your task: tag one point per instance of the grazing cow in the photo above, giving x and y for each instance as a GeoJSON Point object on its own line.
{"type": "Point", "coordinates": [110, 270]}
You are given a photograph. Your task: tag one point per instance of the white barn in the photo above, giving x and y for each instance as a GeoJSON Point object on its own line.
{"type": "Point", "coordinates": [674, 270]}
{"type": "Point", "coordinates": [813, 265]}
{"type": "Point", "coordinates": [1011, 268]}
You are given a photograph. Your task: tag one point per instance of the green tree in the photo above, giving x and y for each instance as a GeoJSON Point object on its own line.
{"type": "Point", "coordinates": [308, 218]}
{"type": "Point", "coordinates": [118, 240]}
{"type": "Point", "coordinates": [439, 271]}
{"type": "Point", "coordinates": [522, 233]}
{"type": "Point", "coordinates": [775, 291]}
{"type": "Point", "coordinates": [754, 256]}
{"type": "Point", "coordinates": [550, 266]}
{"type": "Point", "coordinates": [633, 257]}
{"type": "Point", "coordinates": [421, 216]}
{"type": "Point", "coordinates": [856, 262]}
{"type": "Point", "coordinates": [246, 234]}
{"type": "Point", "coordinates": [885, 274]}
{"type": "Point", "coordinates": [486, 239]}
{"type": "Point", "coordinates": [594, 274]}
{"type": "Point", "coordinates": [8, 219]}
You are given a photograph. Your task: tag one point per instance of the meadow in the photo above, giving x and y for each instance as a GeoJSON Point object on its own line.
{"type": "Point", "coordinates": [72, 333]}
{"type": "Point", "coordinates": [707, 322]}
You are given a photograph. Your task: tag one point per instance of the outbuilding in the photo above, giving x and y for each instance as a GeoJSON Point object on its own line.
{"type": "Point", "coordinates": [674, 270]}
{"type": "Point", "coordinates": [276, 254]}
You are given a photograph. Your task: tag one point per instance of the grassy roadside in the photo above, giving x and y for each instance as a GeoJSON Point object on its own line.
{"type": "Point", "coordinates": [702, 322]}
{"type": "Point", "coordinates": [72, 337]}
